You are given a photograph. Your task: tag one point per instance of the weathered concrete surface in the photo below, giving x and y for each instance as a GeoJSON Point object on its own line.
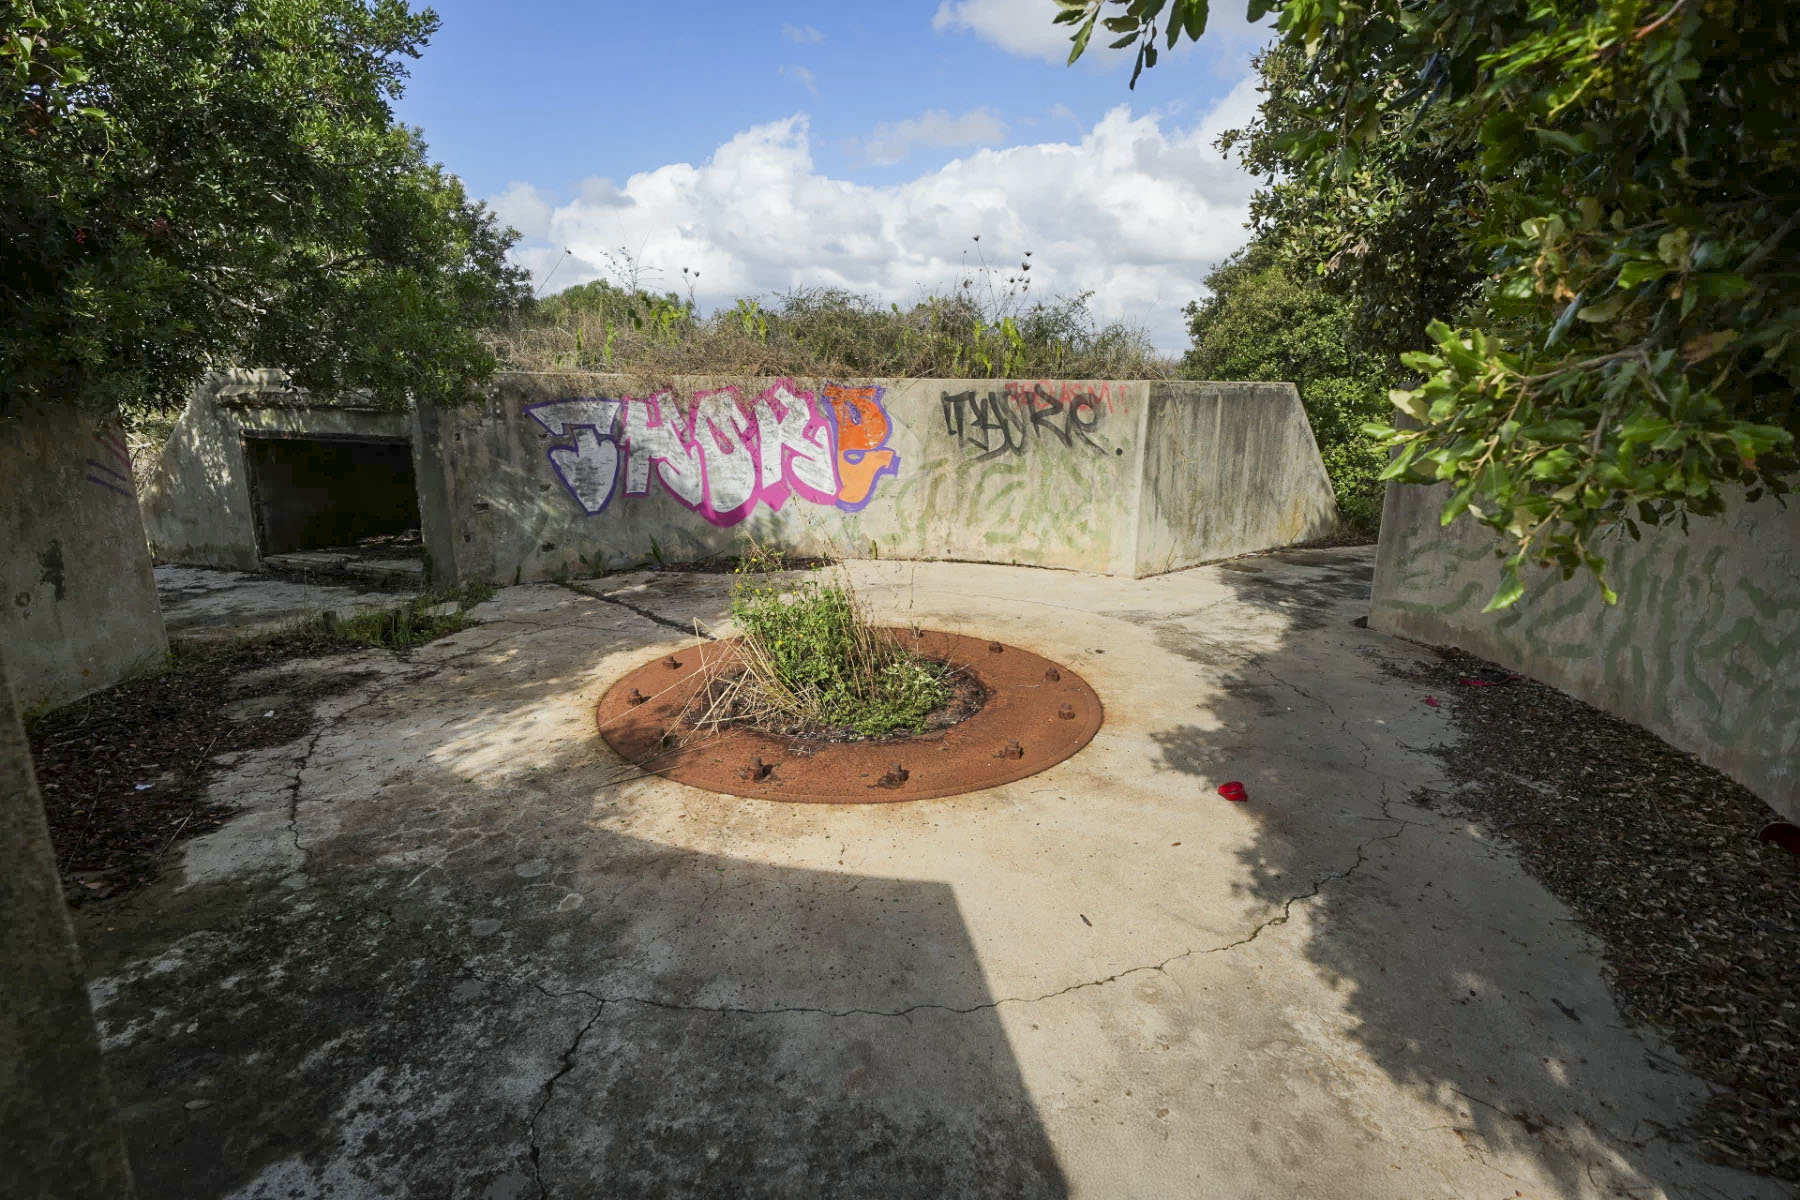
{"type": "Point", "coordinates": [77, 601]}
{"type": "Point", "coordinates": [453, 948]}
{"type": "Point", "coordinates": [406, 572]}
{"type": "Point", "coordinates": [550, 476]}
{"type": "Point", "coordinates": [553, 475]}
{"type": "Point", "coordinates": [198, 507]}
{"type": "Point", "coordinates": [1229, 469]}
{"type": "Point", "coordinates": [1703, 647]}
{"type": "Point", "coordinates": [202, 604]}
{"type": "Point", "coordinates": [58, 1132]}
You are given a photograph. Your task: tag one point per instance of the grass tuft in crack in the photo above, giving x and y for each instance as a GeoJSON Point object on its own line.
{"type": "Point", "coordinates": [811, 659]}
{"type": "Point", "coordinates": [424, 618]}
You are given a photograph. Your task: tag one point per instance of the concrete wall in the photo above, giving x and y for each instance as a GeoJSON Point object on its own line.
{"type": "Point", "coordinates": [58, 1133]}
{"type": "Point", "coordinates": [1228, 468]}
{"type": "Point", "coordinates": [554, 474]}
{"type": "Point", "coordinates": [561, 473]}
{"type": "Point", "coordinates": [78, 604]}
{"type": "Point", "coordinates": [198, 507]}
{"type": "Point", "coordinates": [1703, 647]}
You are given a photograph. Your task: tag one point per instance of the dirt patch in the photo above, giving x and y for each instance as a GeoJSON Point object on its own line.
{"type": "Point", "coordinates": [1658, 856]}
{"type": "Point", "coordinates": [123, 772]}
{"type": "Point", "coordinates": [1345, 536]}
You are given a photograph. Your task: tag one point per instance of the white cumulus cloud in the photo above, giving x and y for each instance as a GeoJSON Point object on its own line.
{"type": "Point", "coordinates": [523, 207]}
{"type": "Point", "coordinates": [1028, 28]}
{"type": "Point", "coordinates": [1136, 210]}
{"type": "Point", "coordinates": [1024, 27]}
{"type": "Point", "coordinates": [805, 35]}
{"type": "Point", "coordinates": [892, 141]}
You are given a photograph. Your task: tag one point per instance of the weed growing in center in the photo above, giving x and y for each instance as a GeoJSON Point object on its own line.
{"type": "Point", "coordinates": [811, 659]}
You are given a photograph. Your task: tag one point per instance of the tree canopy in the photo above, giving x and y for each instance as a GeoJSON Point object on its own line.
{"type": "Point", "coordinates": [1576, 221]}
{"type": "Point", "coordinates": [197, 183]}
{"type": "Point", "coordinates": [1261, 323]}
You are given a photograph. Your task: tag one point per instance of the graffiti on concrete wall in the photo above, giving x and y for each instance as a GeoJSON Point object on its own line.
{"type": "Point", "coordinates": [114, 473]}
{"type": "Point", "coordinates": [725, 455]}
{"type": "Point", "coordinates": [1006, 423]}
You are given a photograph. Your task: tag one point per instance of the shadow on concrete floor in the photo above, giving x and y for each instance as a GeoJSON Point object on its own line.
{"type": "Point", "coordinates": [1516, 1047]}
{"type": "Point", "coordinates": [531, 1030]}
{"type": "Point", "coordinates": [581, 983]}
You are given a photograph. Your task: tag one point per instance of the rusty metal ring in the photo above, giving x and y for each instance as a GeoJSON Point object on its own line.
{"type": "Point", "coordinates": [1037, 713]}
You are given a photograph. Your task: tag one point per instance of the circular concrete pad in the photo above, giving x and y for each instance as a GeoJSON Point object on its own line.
{"type": "Point", "coordinates": [1037, 713]}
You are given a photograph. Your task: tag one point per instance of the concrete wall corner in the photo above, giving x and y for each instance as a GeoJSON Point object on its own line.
{"type": "Point", "coordinates": [58, 1127]}
{"type": "Point", "coordinates": [78, 606]}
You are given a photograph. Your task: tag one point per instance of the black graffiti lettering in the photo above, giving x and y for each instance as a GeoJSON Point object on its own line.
{"type": "Point", "coordinates": [984, 423]}
{"type": "Point", "coordinates": [995, 418]}
{"type": "Point", "coordinates": [1045, 408]}
{"type": "Point", "coordinates": [1084, 418]}
{"type": "Point", "coordinates": [953, 412]}
{"type": "Point", "coordinates": [997, 424]}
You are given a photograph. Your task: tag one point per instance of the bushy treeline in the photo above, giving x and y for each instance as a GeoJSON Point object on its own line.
{"type": "Point", "coordinates": [1264, 322]}
{"type": "Point", "coordinates": [601, 326]}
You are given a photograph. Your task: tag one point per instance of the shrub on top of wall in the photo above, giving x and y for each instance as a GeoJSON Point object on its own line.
{"type": "Point", "coordinates": [986, 324]}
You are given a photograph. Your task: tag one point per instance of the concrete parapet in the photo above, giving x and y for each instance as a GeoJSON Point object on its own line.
{"type": "Point", "coordinates": [559, 474]}
{"type": "Point", "coordinates": [1701, 648]}
{"type": "Point", "coordinates": [58, 1133]}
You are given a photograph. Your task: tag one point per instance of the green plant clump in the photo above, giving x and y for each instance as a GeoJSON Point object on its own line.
{"type": "Point", "coordinates": [813, 660]}
{"type": "Point", "coordinates": [987, 323]}
{"type": "Point", "coordinates": [413, 623]}
{"type": "Point", "coordinates": [1575, 223]}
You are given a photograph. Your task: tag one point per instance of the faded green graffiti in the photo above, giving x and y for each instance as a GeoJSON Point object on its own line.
{"type": "Point", "coordinates": [1704, 638]}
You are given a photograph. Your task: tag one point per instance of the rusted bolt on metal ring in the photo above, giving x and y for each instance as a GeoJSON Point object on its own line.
{"type": "Point", "coordinates": [636, 698]}
{"type": "Point", "coordinates": [896, 775]}
{"type": "Point", "coordinates": [673, 663]}
{"type": "Point", "coordinates": [758, 771]}
{"type": "Point", "coordinates": [1053, 675]}
{"type": "Point", "coordinates": [1066, 712]}
{"type": "Point", "coordinates": [1012, 749]}
{"type": "Point", "coordinates": [995, 648]}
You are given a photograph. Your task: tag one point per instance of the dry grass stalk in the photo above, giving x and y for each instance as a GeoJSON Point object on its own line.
{"type": "Point", "coordinates": [825, 334]}
{"type": "Point", "coordinates": [871, 682]}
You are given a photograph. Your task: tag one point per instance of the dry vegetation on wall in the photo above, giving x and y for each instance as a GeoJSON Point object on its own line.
{"type": "Point", "coordinates": [987, 325]}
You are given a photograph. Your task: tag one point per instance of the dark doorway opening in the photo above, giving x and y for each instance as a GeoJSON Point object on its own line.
{"type": "Point", "coordinates": [311, 493]}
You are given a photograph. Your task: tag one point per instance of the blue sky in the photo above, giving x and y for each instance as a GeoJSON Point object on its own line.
{"type": "Point", "coordinates": [857, 145]}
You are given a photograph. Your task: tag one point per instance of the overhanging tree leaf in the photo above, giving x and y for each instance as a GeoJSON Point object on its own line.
{"type": "Point", "coordinates": [1597, 206]}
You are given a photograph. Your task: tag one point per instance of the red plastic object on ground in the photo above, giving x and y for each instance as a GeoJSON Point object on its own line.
{"type": "Point", "coordinates": [1431, 700]}
{"type": "Point", "coordinates": [1234, 792]}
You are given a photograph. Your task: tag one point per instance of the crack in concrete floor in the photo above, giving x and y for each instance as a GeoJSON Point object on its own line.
{"type": "Point", "coordinates": [1331, 725]}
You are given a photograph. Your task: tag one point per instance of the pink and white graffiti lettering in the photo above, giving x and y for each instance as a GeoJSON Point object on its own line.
{"type": "Point", "coordinates": [728, 455]}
